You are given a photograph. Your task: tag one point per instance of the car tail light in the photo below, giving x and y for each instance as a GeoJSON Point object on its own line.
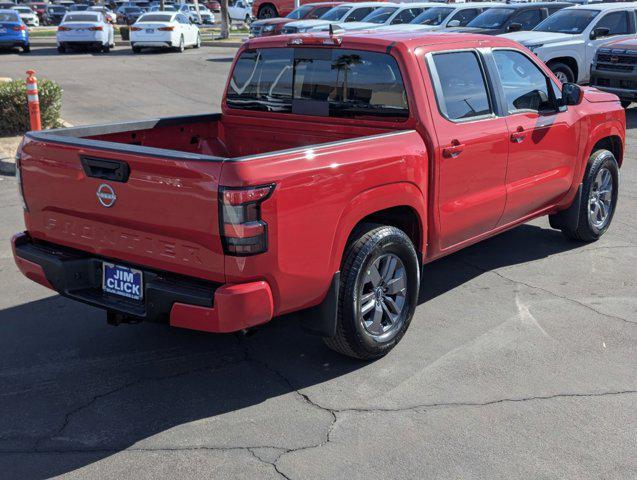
{"type": "Point", "coordinates": [166, 29]}
{"type": "Point", "coordinates": [243, 232]}
{"type": "Point", "coordinates": [96, 29]}
{"type": "Point", "coordinates": [19, 28]}
{"type": "Point", "coordinates": [135, 29]}
{"type": "Point", "coordinates": [63, 29]}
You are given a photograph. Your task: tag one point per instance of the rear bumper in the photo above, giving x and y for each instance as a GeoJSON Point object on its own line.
{"type": "Point", "coordinates": [9, 43]}
{"type": "Point", "coordinates": [151, 44]}
{"type": "Point", "coordinates": [181, 301]}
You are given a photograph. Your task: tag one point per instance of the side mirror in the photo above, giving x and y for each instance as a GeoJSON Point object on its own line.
{"type": "Point", "coordinates": [600, 32]}
{"type": "Point", "coordinates": [453, 23]}
{"type": "Point", "coordinates": [514, 27]}
{"type": "Point", "coordinates": [571, 94]}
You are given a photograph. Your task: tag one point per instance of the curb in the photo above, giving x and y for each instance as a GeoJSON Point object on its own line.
{"type": "Point", "coordinates": [205, 43]}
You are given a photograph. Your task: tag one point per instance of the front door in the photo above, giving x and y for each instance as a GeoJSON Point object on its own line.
{"type": "Point", "coordinates": [472, 147]}
{"type": "Point", "coordinates": [543, 140]}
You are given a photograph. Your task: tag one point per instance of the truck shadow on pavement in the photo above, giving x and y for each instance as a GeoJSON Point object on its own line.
{"type": "Point", "coordinates": [76, 391]}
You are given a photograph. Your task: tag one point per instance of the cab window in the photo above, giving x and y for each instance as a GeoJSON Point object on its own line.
{"type": "Point", "coordinates": [460, 86]}
{"type": "Point", "coordinates": [616, 22]}
{"type": "Point", "coordinates": [525, 86]}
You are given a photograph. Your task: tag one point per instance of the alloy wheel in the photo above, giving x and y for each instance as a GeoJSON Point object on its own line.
{"type": "Point", "coordinates": [601, 198]}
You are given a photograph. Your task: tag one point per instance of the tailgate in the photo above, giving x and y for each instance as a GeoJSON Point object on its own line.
{"type": "Point", "coordinates": [142, 210]}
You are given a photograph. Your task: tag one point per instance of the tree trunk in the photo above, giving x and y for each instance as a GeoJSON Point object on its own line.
{"type": "Point", "coordinates": [162, 5]}
{"type": "Point", "coordinates": [225, 20]}
{"type": "Point", "coordinates": [198, 12]}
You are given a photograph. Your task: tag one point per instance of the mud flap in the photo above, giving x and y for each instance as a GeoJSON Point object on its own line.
{"type": "Point", "coordinates": [568, 218]}
{"type": "Point", "coordinates": [321, 319]}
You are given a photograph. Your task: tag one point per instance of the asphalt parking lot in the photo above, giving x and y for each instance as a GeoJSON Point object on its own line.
{"type": "Point", "coordinates": [521, 362]}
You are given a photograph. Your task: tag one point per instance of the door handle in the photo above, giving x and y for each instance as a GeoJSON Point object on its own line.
{"type": "Point", "coordinates": [453, 150]}
{"type": "Point", "coordinates": [518, 136]}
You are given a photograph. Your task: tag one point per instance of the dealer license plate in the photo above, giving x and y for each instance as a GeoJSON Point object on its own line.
{"type": "Point", "coordinates": [123, 281]}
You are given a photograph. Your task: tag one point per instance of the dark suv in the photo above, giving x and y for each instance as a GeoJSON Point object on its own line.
{"type": "Point", "coordinates": [615, 70]}
{"type": "Point", "coordinates": [511, 18]}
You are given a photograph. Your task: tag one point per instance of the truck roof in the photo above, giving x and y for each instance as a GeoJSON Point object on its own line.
{"type": "Point", "coordinates": [379, 38]}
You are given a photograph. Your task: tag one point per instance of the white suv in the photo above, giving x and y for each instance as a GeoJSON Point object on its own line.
{"type": "Point", "coordinates": [567, 40]}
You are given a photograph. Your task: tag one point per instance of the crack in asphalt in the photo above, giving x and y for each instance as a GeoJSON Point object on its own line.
{"type": "Point", "coordinates": [545, 290]}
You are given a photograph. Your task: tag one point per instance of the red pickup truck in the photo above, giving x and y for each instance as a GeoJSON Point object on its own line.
{"type": "Point", "coordinates": [338, 166]}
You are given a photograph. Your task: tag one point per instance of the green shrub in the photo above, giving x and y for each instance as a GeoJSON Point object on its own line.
{"type": "Point", "coordinates": [14, 110]}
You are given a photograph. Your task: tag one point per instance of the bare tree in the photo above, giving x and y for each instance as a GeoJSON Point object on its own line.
{"type": "Point", "coordinates": [198, 12]}
{"type": "Point", "coordinates": [162, 5]}
{"type": "Point", "coordinates": [225, 20]}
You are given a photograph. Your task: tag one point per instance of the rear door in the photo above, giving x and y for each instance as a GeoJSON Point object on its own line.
{"type": "Point", "coordinates": [472, 147]}
{"type": "Point", "coordinates": [543, 140]}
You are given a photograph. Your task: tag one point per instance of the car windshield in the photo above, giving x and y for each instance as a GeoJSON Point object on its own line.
{"type": "Point", "coordinates": [432, 16]}
{"type": "Point", "coordinates": [167, 8]}
{"type": "Point", "coordinates": [79, 8]}
{"type": "Point", "coordinates": [492, 18]}
{"type": "Point", "coordinates": [570, 20]}
{"type": "Point", "coordinates": [335, 13]}
{"type": "Point", "coordinates": [133, 10]}
{"type": "Point", "coordinates": [155, 17]}
{"type": "Point", "coordinates": [80, 18]}
{"type": "Point", "coordinates": [336, 83]}
{"type": "Point", "coordinates": [9, 17]}
{"type": "Point", "coordinates": [300, 12]}
{"type": "Point", "coordinates": [380, 15]}
{"type": "Point", "coordinates": [23, 9]}
{"type": "Point", "coordinates": [57, 9]}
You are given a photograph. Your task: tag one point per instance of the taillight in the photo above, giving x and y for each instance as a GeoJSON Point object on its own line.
{"type": "Point", "coordinates": [96, 29]}
{"type": "Point", "coordinates": [135, 29]}
{"type": "Point", "coordinates": [18, 175]}
{"type": "Point", "coordinates": [166, 29]}
{"type": "Point", "coordinates": [19, 28]}
{"type": "Point", "coordinates": [243, 232]}
{"type": "Point", "coordinates": [63, 29]}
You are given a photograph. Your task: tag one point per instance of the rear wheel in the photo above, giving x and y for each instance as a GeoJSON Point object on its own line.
{"type": "Point", "coordinates": [267, 11]}
{"type": "Point", "coordinates": [26, 48]}
{"type": "Point", "coordinates": [198, 42]}
{"type": "Point", "coordinates": [247, 20]}
{"type": "Point", "coordinates": [106, 48]}
{"type": "Point", "coordinates": [136, 49]}
{"type": "Point", "coordinates": [563, 72]}
{"type": "Point", "coordinates": [599, 198]}
{"type": "Point", "coordinates": [61, 49]}
{"type": "Point", "coordinates": [380, 279]}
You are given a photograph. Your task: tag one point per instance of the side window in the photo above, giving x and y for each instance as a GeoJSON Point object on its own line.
{"type": "Point", "coordinates": [460, 86]}
{"type": "Point", "coordinates": [358, 14]}
{"type": "Point", "coordinates": [616, 22]}
{"type": "Point", "coordinates": [465, 16]}
{"type": "Point", "coordinates": [525, 86]}
{"type": "Point", "coordinates": [528, 18]}
{"type": "Point", "coordinates": [318, 12]}
{"type": "Point", "coordinates": [406, 15]}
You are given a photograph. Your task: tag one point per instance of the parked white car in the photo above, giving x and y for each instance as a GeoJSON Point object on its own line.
{"type": "Point", "coordinates": [240, 11]}
{"type": "Point", "coordinates": [391, 15]}
{"type": "Point", "coordinates": [28, 16]}
{"type": "Point", "coordinates": [440, 16]}
{"type": "Point", "coordinates": [568, 40]}
{"type": "Point", "coordinates": [344, 13]}
{"type": "Point", "coordinates": [109, 14]}
{"type": "Point", "coordinates": [207, 17]}
{"type": "Point", "coordinates": [85, 29]}
{"type": "Point", "coordinates": [164, 30]}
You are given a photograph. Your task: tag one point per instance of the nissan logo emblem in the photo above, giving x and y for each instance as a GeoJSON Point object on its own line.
{"type": "Point", "coordinates": [106, 195]}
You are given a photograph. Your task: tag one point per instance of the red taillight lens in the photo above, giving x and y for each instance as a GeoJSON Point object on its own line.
{"type": "Point", "coordinates": [135, 29]}
{"type": "Point", "coordinates": [96, 29]}
{"type": "Point", "coordinates": [166, 29]}
{"type": "Point", "coordinates": [63, 29]}
{"type": "Point", "coordinates": [19, 28]}
{"type": "Point", "coordinates": [243, 232]}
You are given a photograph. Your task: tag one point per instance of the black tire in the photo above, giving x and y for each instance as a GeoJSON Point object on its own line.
{"type": "Point", "coordinates": [61, 49]}
{"type": "Point", "coordinates": [586, 230]}
{"type": "Point", "coordinates": [626, 103]}
{"type": "Point", "coordinates": [106, 48]}
{"type": "Point", "coordinates": [182, 45]}
{"type": "Point", "coordinates": [136, 49]}
{"type": "Point", "coordinates": [562, 72]}
{"type": "Point", "coordinates": [267, 11]}
{"type": "Point", "coordinates": [26, 48]}
{"type": "Point", "coordinates": [371, 243]}
{"type": "Point", "coordinates": [198, 42]}
{"type": "Point", "coordinates": [247, 20]}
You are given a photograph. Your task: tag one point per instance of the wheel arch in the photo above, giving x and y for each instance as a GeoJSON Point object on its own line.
{"type": "Point", "coordinates": [401, 205]}
{"type": "Point", "coordinates": [569, 60]}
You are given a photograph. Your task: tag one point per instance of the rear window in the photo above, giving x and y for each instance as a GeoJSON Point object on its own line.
{"type": "Point", "coordinates": [153, 17]}
{"type": "Point", "coordinates": [319, 81]}
{"type": "Point", "coordinates": [9, 17]}
{"type": "Point", "coordinates": [80, 18]}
